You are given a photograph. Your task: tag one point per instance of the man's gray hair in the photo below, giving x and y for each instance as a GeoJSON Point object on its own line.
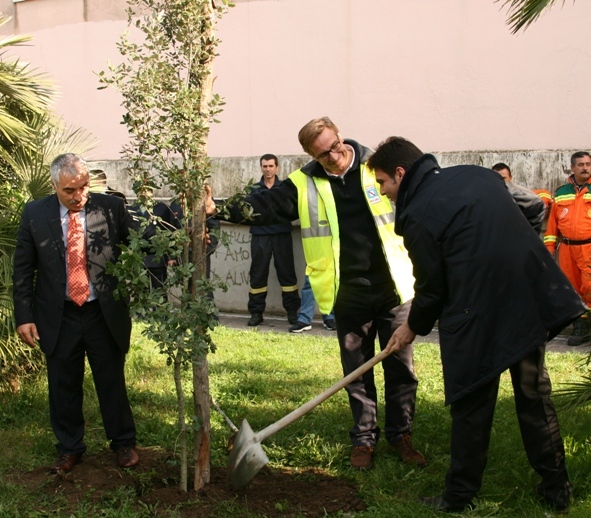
{"type": "Point", "coordinates": [69, 164]}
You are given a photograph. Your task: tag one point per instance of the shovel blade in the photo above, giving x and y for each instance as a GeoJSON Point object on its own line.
{"type": "Point", "coordinates": [247, 457]}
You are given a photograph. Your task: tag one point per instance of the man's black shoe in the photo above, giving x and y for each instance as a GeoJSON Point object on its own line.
{"type": "Point", "coordinates": [127, 457]}
{"type": "Point", "coordinates": [439, 503]}
{"type": "Point", "coordinates": [558, 500]}
{"type": "Point", "coordinates": [255, 319]}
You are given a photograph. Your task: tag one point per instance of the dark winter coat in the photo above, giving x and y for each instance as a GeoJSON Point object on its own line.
{"type": "Point", "coordinates": [481, 270]}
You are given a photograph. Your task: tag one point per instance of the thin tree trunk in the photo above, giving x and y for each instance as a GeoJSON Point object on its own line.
{"type": "Point", "coordinates": [202, 436]}
{"type": "Point", "coordinates": [181, 421]}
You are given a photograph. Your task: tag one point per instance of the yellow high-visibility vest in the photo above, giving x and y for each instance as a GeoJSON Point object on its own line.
{"type": "Point", "coordinates": [320, 236]}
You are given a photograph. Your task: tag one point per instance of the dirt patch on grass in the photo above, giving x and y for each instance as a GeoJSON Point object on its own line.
{"type": "Point", "coordinates": [271, 493]}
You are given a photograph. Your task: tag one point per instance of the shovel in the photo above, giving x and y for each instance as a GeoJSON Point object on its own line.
{"type": "Point", "coordinates": [247, 457]}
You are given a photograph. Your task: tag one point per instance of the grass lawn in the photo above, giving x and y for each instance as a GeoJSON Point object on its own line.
{"type": "Point", "coordinates": [264, 376]}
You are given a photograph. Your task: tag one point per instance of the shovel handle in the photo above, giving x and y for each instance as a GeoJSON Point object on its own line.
{"type": "Point", "coordinates": [305, 408]}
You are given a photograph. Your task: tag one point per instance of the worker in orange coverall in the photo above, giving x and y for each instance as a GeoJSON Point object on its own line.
{"type": "Point", "coordinates": [569, 227]}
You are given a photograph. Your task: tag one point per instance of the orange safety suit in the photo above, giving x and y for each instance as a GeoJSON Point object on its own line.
{"type": "Point", "coordinates": [569, 228]}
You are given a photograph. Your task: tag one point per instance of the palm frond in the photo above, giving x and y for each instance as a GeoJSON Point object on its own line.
{"type": "Point", "coordinates": [12, 128]}
{"type": "Point", "coordinates": [65, 138]}
{"type": "Point", "coordinates": [8, 348]}
{"type": "Point", "coordinates": [575, 395]}
{"type": "Point", "coordinates": [14, 40]}
{"type": "Point", "coordinates": [522, 13]}
{"type": "Point", "coordinates": [24, 86]}
{"type": "Point", "coordinates": [51, 136]}
{"type": "Point", "coordinates": [22, 90]}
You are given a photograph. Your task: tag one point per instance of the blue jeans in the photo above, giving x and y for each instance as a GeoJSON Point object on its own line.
{"type": "Point", "coordinates": [308, 305]}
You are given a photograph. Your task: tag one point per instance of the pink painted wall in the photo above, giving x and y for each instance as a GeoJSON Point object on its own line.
{"type": "Point", "coordinates": [447, 75]}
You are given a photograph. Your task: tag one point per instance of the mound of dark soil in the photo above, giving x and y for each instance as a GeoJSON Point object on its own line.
{"type": "Point", "coordinates": [271, 493]}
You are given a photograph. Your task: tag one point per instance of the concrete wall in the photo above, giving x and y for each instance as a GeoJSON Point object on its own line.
{"type": "Point", "coordinates": [541, 169]}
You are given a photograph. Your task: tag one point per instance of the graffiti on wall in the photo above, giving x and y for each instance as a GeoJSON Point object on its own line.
{"type": "Point", "coordinates": [232, 263]}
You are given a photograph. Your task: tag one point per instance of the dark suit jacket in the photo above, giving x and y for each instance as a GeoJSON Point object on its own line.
{"type": "Point", "coordinates": [40, 266]}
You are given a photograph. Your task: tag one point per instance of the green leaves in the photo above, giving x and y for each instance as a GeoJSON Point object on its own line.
{"type": "Point", "coordinates": [522, 13]}
{"type": "Point", "coordinates": [165, 81]}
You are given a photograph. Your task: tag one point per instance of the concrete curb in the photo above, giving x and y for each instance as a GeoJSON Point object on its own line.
{"type": "Point", "coordinates": [278, 324]}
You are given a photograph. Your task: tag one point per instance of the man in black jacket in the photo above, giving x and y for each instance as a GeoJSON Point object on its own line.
{"type": "Point", "coordinates": [482, 271]}
{"type": "Point", "coordinates": [271, 241]}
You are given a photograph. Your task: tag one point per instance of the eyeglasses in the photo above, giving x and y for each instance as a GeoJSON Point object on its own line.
{"type": "Point", "coordinates": [333, 149]}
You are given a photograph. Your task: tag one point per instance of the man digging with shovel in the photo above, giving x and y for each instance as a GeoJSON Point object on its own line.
{"type": "Point", "coordinates": [357, 267]}
{"type": "Point", "coordinates": [498, 295]}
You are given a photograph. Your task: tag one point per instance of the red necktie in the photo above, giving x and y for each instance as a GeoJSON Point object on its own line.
{"type": "Point", "coordinates": [78, 283]}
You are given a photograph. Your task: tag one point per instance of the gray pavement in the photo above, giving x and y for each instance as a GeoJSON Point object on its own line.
{"type": "Point", "coordinates": [279, 324]}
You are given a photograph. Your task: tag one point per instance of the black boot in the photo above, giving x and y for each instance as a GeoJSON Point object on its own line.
{"type": "Point", "coordinates": [581, 332]}
{"type": "Point", "coordinates": [255, 319]}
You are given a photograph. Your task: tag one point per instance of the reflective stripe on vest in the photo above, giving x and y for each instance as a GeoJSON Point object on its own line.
{"type": "Point", "coordinates": [314, 230]}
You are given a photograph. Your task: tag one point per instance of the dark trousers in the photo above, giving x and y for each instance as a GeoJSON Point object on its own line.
{"type": "Point", "coordinates": [361, 314]}
{"type": "Point", "coordinates": [84, 332]}
{"type": "Point", "coordinates": [262, 248]}
{"type": "Point", "coordinates": [472, 418]}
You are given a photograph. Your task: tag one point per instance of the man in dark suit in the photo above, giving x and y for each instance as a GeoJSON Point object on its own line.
{"type": "Point", "coordinates": [98, 326]}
